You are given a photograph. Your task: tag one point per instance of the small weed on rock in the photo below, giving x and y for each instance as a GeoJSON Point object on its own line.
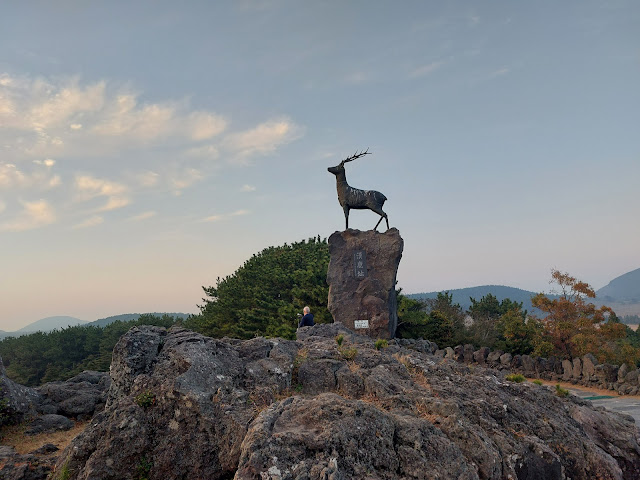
{"type": "Point", "coordinates": [146, 399]}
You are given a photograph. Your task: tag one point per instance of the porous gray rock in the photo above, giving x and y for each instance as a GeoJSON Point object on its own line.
{"type": "Point", "coordinates": [632, 377]}
{"type": "Point", "coordinates": [567, 368]}
{"type": "Point", "coordinates": [79, 397]}
{"type": "Point", "coordinates": [36, 465]}
{"type": "Point", "coordinates": [589, 363]}
{"type": "Point", "coordinates": [20, 401]}
{"type": "Point", "coordinates": [505, 359]}
{"type": "Point", "coordinates": [480, 355]}
{"type": "Point", "coordinates": [577, 369]}
{"type": "Point", "coordinates": [528, 365]}
{"type": "Point", "coordinates": [48, 423]}
{"type": "Point", "coordinates": [372, 297]}
{"type": "Point", "coordinates": [622, 372]}
{"type": "Point", "coordinates": [195, 407]}
{"type": "Point", "coordinates": [606, 374]}
{"type": "Point", "coordinates": [493, 358]}
{"type": "Point", "coordinates": [468, 353]}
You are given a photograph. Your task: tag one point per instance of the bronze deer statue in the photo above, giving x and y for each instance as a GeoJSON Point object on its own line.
{"type": "Point", "coordinates": [355, 198]}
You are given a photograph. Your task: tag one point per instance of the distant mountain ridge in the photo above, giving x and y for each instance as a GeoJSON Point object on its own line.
{"type": "Point", "coordinates": [625, 288]}
{"type": "Point", "coordinates": [462, 296]}
{"type": "Point", "coordinates": [127, 317]}
{"type": "Point", "coordinates": [622, 294]}
{"type": "Point", "coordinates": [52, 323]}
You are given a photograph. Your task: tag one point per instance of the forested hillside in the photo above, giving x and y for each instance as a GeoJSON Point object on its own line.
{"type": "Point", "coordinates": [462, 296]}
{"type": "Point", "coordinates": [44, 357]}
{"type": "Point", "coordinates": [263, 297]}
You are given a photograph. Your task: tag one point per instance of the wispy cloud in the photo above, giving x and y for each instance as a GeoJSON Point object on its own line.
{"type": "Point", "coordinates": [147, 179]}
{"type": "Point", "coordinates": [65, 117]}
{"type": "Point", "coordinates": [183, 179]}
{"type": "Point", "coordinates": [226, 216]}
{"type": "Point", "coordinates": [498, 73]}
{"type": "Point", "coordinates": [90, 222]}
{"type": "Point", "coordinates": [47, 162]}
{"type": "Point", "coordinates": [248, 188]}
{"type": "Point", "coordinates": [142, 216]}
{"type": "Point", "coordinates": [33, 215]}
{"type": "Point", "coordinates": [264, 138]}
{"type": "Point", "coordinates": [425, 70]}
{"type": "Point", "coordinates": [59, 131]}
{"type": "Point", "coordinates": [357, 78]}
{"type": "Point", "coordinates": [13, 177]}
{"type": "Point", "coordinates": [89, 187]}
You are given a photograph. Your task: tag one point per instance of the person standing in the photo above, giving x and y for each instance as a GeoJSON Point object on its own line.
{"type": "Point", "coordinates": [307, 319]}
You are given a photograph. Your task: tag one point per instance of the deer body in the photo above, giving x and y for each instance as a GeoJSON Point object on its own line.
{"type": "Point", "coordinates": [350, 197]}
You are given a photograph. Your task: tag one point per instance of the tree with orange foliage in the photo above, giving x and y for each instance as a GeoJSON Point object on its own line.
{"type": "Point", "coordinates": [573, 327]}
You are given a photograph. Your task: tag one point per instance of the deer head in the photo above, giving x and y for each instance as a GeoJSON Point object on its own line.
{"type": "Point", "coordinates": [340, 167]}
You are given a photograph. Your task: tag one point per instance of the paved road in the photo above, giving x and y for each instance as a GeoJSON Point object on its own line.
{"type": "Point", "coordinates": [628, 405]}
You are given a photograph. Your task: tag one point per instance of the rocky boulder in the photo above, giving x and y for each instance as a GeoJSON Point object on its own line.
{"type": "Point", "coordinates": [48, 423]}
{"type": "Point", "coordinates": [186, 406]}
{"type": "Point", "coordinates": [79, 397]}
{"type": "Point", "coordinates": [365, 293]}
{"type": "Point", "coordinates": [16, 401]}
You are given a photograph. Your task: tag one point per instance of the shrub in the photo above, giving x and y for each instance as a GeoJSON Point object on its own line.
{"type": "Point", "coordinates": [538, 382]}
{"type": "Point", "coordinates": [381, 343]}
{"type": "Point", "coordinates": [516, 377]}
{"type": "Point", "coordinates": [146, 399]}
{"type": "Point", "coordinates": [143, 468]}
{"type": "Point", "coordinates": [561, 392]}
{"type": "Point", "coordinates": [64, 473]}
{"type": "Point", "coordinates": [348, 353]}
{"type": "Point", "coordinates": [339, 340]}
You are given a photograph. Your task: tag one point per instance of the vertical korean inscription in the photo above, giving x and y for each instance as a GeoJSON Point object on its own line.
{"type": "Point", "coordinates": [360, 264]}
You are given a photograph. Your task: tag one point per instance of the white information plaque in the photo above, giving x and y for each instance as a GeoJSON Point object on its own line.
{"type": "Point", "coordinates": [361, 324]}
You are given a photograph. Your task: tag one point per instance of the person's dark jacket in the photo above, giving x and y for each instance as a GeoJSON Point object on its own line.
{"type": "Point", "coordinates": [306, 321]}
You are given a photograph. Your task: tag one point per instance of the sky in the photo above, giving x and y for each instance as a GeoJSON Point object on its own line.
{"type": "Point", "coordinates": [148, 148]}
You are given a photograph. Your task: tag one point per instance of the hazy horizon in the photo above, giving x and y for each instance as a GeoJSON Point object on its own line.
{"type": "Point", "coordinates": [149, 148]}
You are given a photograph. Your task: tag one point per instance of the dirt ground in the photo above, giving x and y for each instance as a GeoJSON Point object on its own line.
{"type": "Point", "coordinates": [14, 436]}
{"type": "Point", "coordinates": [582, 388]}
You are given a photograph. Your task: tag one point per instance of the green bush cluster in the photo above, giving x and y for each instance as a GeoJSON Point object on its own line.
{"type": "Point", "coordinates": [146, 399]}
{"type": "Point", "coordinates": [381, 343]}
{"type": "Point", "coordinates": [561, 392]}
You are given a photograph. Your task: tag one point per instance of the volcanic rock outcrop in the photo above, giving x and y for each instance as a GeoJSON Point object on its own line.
{"type": "Point", "coordinates": [332, 406]}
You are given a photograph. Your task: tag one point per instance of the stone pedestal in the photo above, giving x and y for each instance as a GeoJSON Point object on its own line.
{"type": "Point", "coordinates": [362, 280]}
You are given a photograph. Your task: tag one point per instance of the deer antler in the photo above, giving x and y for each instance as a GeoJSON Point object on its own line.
{"type": "Point", "coordinates": [356, 155]}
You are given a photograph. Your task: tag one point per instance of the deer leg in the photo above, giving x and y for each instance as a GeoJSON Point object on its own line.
{"type": "Point", "coordinates": [380, 212]}
{"type": "Point", "coordinates": [346, 217]}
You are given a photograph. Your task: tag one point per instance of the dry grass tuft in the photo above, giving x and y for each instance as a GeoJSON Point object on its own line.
{"type": "Point", "coordinates": [420, 378]}
{"type": "Point", "coordinates": [260, 399]}
{"type": "Point", "coordinates": [15, 437]}
{"type": "Point", "coordinates": [425, 412]}
{"type": "Point", "coordinates": [373, 399]}
{"type": "Point", "coordinates": [353, 366]}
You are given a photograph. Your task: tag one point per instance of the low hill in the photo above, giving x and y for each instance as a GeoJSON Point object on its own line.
{"type": "Point", "coordinates": [127, 317]}
{"type": "Point", "coordinates": [462, 295]}
{"type": "Point", "coordinates": [49, 323]}
{"type": "Point", "coordinates": [622, 289]}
